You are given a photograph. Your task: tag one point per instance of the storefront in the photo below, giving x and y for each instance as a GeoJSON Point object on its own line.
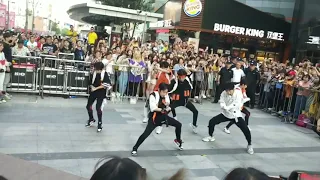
{"type": "Point", "coordinates": [231, 27]}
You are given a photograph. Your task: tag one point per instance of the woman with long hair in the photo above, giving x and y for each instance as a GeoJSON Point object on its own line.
{"type": "Point", "coordinates": [137, 66]}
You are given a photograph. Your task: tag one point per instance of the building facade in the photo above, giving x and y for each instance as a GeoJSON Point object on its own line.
{"type": "Point", "coordinates": [278, 8]}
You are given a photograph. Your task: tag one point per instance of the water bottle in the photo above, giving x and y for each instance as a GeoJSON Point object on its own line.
{"type": "Point", "coordinates": [72, 97]}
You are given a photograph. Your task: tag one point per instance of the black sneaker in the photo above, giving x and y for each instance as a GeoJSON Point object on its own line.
{"type": "Point", "coordinates": [178, 143]}
{"type": "Point", "coordinates": [90, 122]}
{"type": "Point", "coordinates": [99, 127]}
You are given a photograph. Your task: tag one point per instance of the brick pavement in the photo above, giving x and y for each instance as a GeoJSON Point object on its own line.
{"type": "Point", "coordinates": [51, 132]}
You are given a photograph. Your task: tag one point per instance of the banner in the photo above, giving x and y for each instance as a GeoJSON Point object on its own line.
{"type": "Point", "coordinates": [3, 10]}
{"type": "Point", "coordinates": [195, 43]}
{"type": "Point", "coordinates": [12, 19]}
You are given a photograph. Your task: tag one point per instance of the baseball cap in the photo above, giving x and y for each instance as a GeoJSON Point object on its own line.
{"type": "Point", "coordinates": [253, 63]}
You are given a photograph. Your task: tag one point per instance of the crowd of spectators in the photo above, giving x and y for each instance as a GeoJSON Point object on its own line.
{"type": "Point", "coordinates": [135, 67]}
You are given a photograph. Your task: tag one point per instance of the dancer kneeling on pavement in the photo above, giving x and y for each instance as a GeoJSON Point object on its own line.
{"type": "Point", "coordinates": [180, 92]}
{"type": "Point", "coordinates": [159, 102]}
{"type": "Point", "coordinates": [244, 110]}
{"type": "Point", "coordinates": [231, 101]}
{"type": "Point", "coordinates": [99, 85]}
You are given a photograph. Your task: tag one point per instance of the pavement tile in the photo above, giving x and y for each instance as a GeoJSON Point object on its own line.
{"type": "Point", "coordinates": [197, 162]}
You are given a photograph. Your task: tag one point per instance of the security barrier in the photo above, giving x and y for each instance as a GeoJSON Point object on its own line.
{"type": "Point", "coordinates": [24, 74]}
{"type": "Point", "coordinates": [64, 78]}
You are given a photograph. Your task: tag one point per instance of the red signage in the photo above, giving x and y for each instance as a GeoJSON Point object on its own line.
{"type": "Point", "coordinates": [162, 31]}
{"type": "Point", "coordinates": [3, 11]}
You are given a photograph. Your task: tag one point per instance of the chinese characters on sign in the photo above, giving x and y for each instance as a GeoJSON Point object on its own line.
{"type": "Point", "coordinates": [314, 40]}
{"type": "Point", "coordinates": [248, 32]}
{"type": "Point", "coordinates": [165, 23]}
{"type": "Point", "coordinates": [275, 36]}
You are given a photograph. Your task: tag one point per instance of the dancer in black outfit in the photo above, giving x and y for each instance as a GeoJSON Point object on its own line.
{"type": "Point", "coordinates": [99, 84]}
{"type": "Point", "coordinates": [180, 92]}
{"type": "Point", "coordinates": [159, 108]}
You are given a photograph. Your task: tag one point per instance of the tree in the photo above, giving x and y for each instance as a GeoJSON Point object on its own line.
{"type": "Point", "coordinates": [55, 28]}
{"type": "Point", "coordinates": [64, 31]}
{"type": "Point", "coordinates": [144, 5]}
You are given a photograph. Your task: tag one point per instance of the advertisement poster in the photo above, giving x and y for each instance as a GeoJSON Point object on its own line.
{"type": "Point", "coordinates": [12, 19]}
{"type": "Point", "coordinates": [2, 16]}
{"type": "Point", "coordinates": [195, 43]}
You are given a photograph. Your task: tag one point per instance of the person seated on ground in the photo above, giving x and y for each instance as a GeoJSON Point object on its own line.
{"type": "Point", "coordinates": [116, 168]}
{"type": "Point", "coordinates": [246, 174]}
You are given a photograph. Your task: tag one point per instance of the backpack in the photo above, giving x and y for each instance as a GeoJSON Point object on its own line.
{"type": "Point", "coordinates": [302, 120]}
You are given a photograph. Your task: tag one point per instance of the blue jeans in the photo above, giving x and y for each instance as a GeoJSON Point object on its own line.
{"type": "Point", "coordinates": [123, 82]}
{"type": "Point", "coordinates": [300, 105]}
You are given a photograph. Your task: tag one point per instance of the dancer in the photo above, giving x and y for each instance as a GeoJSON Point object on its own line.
{"type": "Point", "coordinates": [244, 110]}
{"type": "Point", "coordinates": [164, 76]}
{"type": "Point", "coordinates": [99, 84]}
{"type": "Point", "coordinates": [180, 92]}
{"type": "Point", "coordinates": [231, 101]}
{"type": "Point", "coordinates": [159, 107]}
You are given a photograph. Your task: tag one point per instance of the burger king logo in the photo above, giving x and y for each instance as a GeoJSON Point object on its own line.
{"type": "Point", "coordinates": [192, 8]}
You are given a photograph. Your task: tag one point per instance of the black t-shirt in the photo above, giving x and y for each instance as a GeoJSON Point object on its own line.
{"type": "Point", "coordinates": [225, 75]}
{"type": "Point", "coordinates": [7, 51]}
{"type": "Point", "coordinates": [98, 82]}
{"type": "Point", "coordinates": [182, 93]}
{"type": "Point", "coordinates": [252, 77]}
{"type": "Point", "coordinates": [66, 50]}
{"type": "Point", "coordinates": [49, 48]}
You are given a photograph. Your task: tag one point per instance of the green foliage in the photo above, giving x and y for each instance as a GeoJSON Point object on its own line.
{"type": "Point", "coordinates": [145, 5]}
{"type": "Point", "coordinates": [64, 31]}
{"type": "Point", "coordinates": [55, 28]}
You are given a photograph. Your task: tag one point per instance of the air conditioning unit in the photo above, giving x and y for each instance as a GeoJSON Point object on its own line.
{"type": "Point", "coordinates": [117, 29]}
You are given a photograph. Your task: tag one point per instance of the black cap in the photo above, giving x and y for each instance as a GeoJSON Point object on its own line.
{"type": "Point", "coordinates": [253, 63]}
{"type": "Point", "coordinates": [20, 41]}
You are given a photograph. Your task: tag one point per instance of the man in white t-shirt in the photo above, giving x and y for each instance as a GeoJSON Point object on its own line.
{"type": "Point", "coordinates": [237, 73]}
{"type": "Point", "coordinates": [32, 45]}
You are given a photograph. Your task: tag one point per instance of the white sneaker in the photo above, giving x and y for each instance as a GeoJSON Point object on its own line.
{"type": "Point", "coordinates": [159, 129]}
{"type": "Point", "coordinates": [176, 118]}
{"type": "Point", "coordinates": [249, 128]}
{"type": "Point", "coordinates": [7, 97]}
{"type": "Point", "coordinates": [204, 96]}
{"type": "Point", "coordinates": [250, 149]}
{"type": "Point", "coordinates": [208, 139]}
{"type": "Point", "coordinates": [134, 153]}
{"type": "Point", "coordinates": [145, 120]}
{"type": "Point", "coordinates": [194, 128]}
{"type": "Point", "coordinates": [226, 130]}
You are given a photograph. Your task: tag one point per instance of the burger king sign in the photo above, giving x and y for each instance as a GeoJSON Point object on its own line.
{"type": "Point", "coordinates": [192, 8]}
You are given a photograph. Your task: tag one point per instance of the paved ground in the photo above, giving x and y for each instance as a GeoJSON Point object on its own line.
{"type": "Point", "coordinates": [51, 132]}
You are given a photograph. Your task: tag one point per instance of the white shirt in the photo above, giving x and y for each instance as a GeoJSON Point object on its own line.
{"type": "Point", "coordinates": [32, 45]}
{"type": "Point", "coordinates": [24, 51]}
{"type": "Point", "coordinates": [231, 105]}
{"type": "Point", "coordinates": [3, 61]}
{"type": "Point", "coordinates": [237, 75]}
{"type": "Point", "coordinates": [108, 64]}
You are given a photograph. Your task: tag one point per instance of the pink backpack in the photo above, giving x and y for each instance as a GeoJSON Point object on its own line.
{"type": "Point", "coordinates": [302, 120]}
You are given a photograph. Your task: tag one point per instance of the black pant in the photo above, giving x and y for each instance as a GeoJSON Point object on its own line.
{"type": "Point", "coordinates": [99, 97]}
{"type": "Point", "coordinates": [158, 122]}
{"type": "Point", "coordinates": [251, 94]}
{"type": "Point", "coordinates": [246, 118]}
{"type": "Point", "coordinates": [221, 118]}
{"type": "Point", "coordinates": [133, 88]}
{"type": "Point", "coordinates": [189, 106]}
{"type": "Point", "coordinates": [220, 89]}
